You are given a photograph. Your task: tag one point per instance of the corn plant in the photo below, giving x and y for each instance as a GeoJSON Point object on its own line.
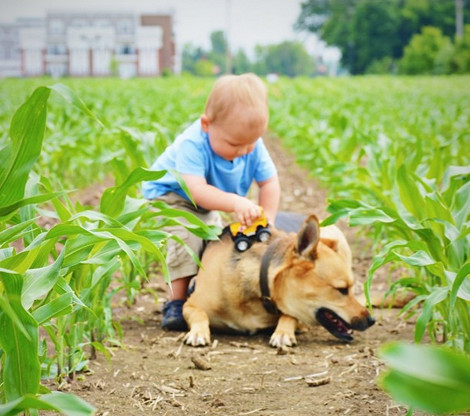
{"type": "Point", "coordinates": [141, 117]}
{"type": "Point", "coordinates": [396, 163]}
{"type": "Point", "coordinates": [58, 277]}
{"type": "Point", "coordinates": [401, 171]}
{"type": "Point", "coordinates": [428, 230]}
{"type": "Point", "coordinates": [429, 378]}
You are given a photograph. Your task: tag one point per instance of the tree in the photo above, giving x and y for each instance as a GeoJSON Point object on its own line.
{"type": "Point", "coordinates": [241, 63]}
{"type": "Point", "coordinates": [370, 30]}
{"type": "Point", "coordinates": [191, 55]}
{"type": "Point", "coordinates": [461, 58]}
{"type": "Point", "coordinates": [374, 27]}
{"type": "Point", "coordinates": [424, 52]}
{"type": "Point", "coordinates": [218, 53]}
{"type": "Point", "coordinates": [286, 58]}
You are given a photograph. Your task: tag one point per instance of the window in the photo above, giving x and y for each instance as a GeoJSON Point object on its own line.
{"type": "Point", "coordinates": [125, 49]}
{"type": "Point", "coordinates": [56, 27]}
{"type": "Point", "coordinates": [125, 26]}
{"type": "Point", "coordinates": [57, 49]}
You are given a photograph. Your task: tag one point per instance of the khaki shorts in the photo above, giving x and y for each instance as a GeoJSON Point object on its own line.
{"type": "Point", "coordinates": [180, 263]}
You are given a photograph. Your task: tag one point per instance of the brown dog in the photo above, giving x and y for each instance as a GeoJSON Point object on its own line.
{"type": "Point", "coordinates": [290, 279]}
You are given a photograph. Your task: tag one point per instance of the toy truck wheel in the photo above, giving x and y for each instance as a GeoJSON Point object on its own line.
{"type": "Point", "coordinates": [263, 234]}
{"type": "Point", "coordinates": [242, 243]}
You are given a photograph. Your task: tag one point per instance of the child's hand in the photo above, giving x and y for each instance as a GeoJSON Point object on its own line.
{"type": "Point", "coordinates": [246, 211]}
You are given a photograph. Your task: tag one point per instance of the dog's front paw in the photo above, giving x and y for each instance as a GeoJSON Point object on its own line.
{"type": "Point", "coordinates": [282, 339]}
{"type": "Point", "coordinates": [198, 336]}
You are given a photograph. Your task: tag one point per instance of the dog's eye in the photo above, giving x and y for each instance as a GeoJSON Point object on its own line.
{"type": "Point", "coordinates": [343, 290]}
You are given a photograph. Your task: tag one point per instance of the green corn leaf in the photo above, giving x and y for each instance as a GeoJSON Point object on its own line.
{"type": "Point", "coordinates": [461, 205]}
{"type": "Point", "coordinates": [38, 282]}
{"type": "Point", "coordinates": [334, 218]}
{"type": "Point", "coordinates": [6, 308]}
{"type": "Point", "coordinates": [61, 210]}
{"type": "Point", "coordinates": [69, 95]}
{"type": "Point", "coordinates": [122, 235]}
{"type": "Point", "coordinates": [436, 208]}
{"type": "Point", "coordinates": [91, 250]}
{"type": "Point", "coordinates": [21, 261]}
{"type": "Point", "coordinates": [131, 138]}
{"type": "Point", "coordinates": [79, 248]}
{"type": "Point", "coordinates": [363, 216]}
{"type": "Point", "coordinates": [342, 208]}
{"type": "Point", "coordinates": [183, 185]}
{"type": "Point", "coordinates": [437, 295]}
{"type": "Point", "coordinates": [420, 258]}
{"type": "Point", "coordinates": [61, 305]}
{"type": "Point", "coordinates": [96, 216]}
{"type": "Point", "coordinates": [462, 274]}
{"type": "Point", "coordinates": [10, 234]}
{"type": "Point", "coordinates": [101, 348]}
{"type": "Point", "coordinates": [113, 199]}
{"type": "Point", "coordinates": [453, 172]}
{"type": "Point", "coordinates": [62, 287]}
{"type": "Point", "coordinates": [27, 133]}
{"type": "Point", "coordinates": [65, 403]}
{"type": "Point", "coordinates": [111, 234]}
{"type": "Point", "coordinates": [108, 268]}
{"type": "Point", "coordinates": [200, 228]}
{"type": "Point", "coordinates": [21, 370]}
{"type": "Point", "coordinates": [129, 217]}
{"type": "Point", "coordinates": [6, 252]}
{"type": "Point", "coordinates": [433, 379]}
{"type": "Point", "coordinates": [410, 194]}
{"type": "Point", "coordinates": [18, 157]}
{"type": "Point", "coordinates": [385, 256]}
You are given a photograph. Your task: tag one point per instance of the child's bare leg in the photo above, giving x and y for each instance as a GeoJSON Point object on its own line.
{"type": "Point", "coordinates": [179, 288]}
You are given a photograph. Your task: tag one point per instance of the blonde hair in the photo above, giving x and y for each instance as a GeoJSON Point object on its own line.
{"type": "Point", "coordinates": [244, 95]}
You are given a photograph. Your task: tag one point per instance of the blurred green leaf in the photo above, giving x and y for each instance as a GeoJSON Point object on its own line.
{"type": "Point", "coordinates": [432, 379]}
{"type": "Point", "coordinates": [65, 403]}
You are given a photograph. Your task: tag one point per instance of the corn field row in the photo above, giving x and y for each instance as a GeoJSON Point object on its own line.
{"type": "Point", "coordinates": [392, 152]}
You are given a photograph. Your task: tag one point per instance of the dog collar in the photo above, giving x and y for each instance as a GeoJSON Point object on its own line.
{"type": "Point", "coordinates": [266, 299]}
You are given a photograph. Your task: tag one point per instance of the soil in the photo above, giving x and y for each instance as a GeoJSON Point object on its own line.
{"type": "Point", "coordinates": [154, 373]}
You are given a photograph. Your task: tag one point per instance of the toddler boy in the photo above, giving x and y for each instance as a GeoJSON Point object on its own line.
{"type": "Point", "coordinates": [218, 156]}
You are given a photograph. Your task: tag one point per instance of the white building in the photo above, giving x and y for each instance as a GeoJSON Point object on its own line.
{"type": "Point", "coordinates": [87, 44]}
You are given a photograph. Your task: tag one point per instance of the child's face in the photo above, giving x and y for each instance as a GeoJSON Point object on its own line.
{"type": "Point", "coordinates": [229, 139]}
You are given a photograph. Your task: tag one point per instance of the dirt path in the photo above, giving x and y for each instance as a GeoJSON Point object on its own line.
{"type": "Point", "coordinates": [238, 375]}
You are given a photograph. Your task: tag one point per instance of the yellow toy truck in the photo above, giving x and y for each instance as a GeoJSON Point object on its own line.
{"type": "Point", "coordinates": [258, 231]}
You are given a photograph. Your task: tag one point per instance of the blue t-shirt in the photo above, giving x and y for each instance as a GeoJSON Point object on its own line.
{"type": "Point", "coordinates": [192, 154]}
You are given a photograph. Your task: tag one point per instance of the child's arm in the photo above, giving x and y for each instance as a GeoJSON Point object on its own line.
{"type": "Point", "coordinates": [269, 196]}
{"type": "Point", "coordinates": [209, 197]}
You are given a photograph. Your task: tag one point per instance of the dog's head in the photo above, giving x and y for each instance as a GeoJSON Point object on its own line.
{"type": "Point", "coordinates": [316, 282]}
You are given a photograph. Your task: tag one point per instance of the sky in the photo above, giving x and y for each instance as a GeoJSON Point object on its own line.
{"type": "Point", "coordinates": [248, 22]}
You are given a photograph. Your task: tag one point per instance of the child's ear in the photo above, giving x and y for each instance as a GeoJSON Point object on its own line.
{"type": "Point", "coordinates": [205, 123]}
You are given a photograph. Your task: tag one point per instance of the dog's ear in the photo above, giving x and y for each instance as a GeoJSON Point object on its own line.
{"type": "Point", "coordinates": [307, 237]}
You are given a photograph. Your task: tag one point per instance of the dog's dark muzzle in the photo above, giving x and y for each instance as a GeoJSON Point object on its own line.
{"type": "Point", "coordinates": [361, 324]}
{"type": "Point", "coordinates": [338, 327]}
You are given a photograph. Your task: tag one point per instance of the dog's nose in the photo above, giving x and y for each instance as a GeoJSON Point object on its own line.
{"type": "Point", "coordinates": [370, 320]}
